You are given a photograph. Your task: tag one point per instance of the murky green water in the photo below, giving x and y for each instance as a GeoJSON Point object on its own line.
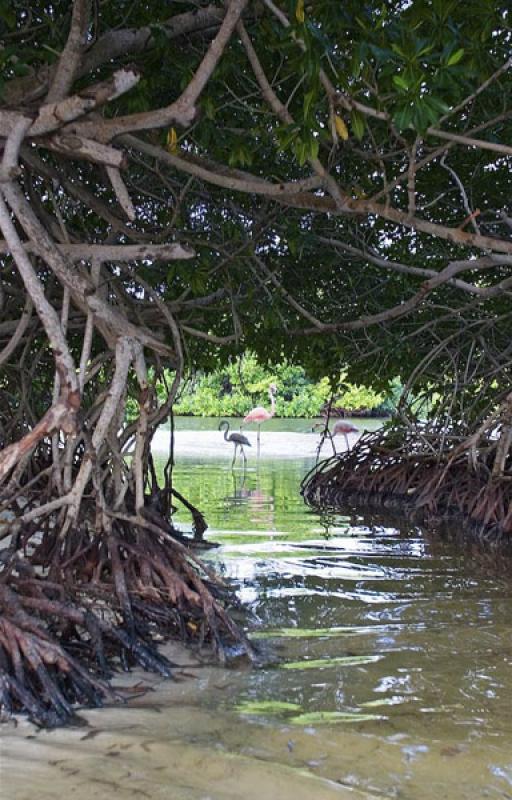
{"type": "Point", "coordinates": [388, 669]}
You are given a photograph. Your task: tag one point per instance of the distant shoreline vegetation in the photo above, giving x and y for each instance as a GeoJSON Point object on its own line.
{"type": "Point", "coordinates": [237, 387]}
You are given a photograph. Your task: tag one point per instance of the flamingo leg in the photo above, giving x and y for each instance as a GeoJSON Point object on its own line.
{"type": "Point", "coordinates": [331, 437]}
{"type": "Point", "coordinates": [243, 453]}
{"type": "Point", "coordinates": [234, 457]}
{"type": "Point", "coordinates": [258, 438]}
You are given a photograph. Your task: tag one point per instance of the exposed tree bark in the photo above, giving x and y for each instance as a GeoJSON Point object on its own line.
{"type": "Point", "coordinates": [95, 522]}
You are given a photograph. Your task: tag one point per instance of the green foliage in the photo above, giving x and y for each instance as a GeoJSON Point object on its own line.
{"type": "Point", "coordinates": [358, 397]}
{"type": "Point", "coordinates": [412, 61]}
{"type": "Point", "coordinates": [244, 383]}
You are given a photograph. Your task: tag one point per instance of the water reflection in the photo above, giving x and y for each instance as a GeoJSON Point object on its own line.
{"type": "Point", "coordinates": [248, 493]}
{"type": "Point", "coordinates": [387, 664]}
{"type": "Point", "coordinates": [420, 612]}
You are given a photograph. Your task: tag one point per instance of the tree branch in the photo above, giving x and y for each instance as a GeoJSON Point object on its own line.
{"type": "Point", "coordinates": [114, 252]}
{"type": "Point", "coordinates": [183, 110]}
{"type": "Point", "coordinates": [282, 113]}
{"type": "Point", "coordinates": [220, 175]}
{"type": "Point", "coordinates": [69, 60]}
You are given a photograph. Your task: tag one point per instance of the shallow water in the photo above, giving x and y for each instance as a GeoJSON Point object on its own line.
{"type": "Point", "coordinates": [387, 669]}
{"type": "Point", "coordinates": [197, 437]}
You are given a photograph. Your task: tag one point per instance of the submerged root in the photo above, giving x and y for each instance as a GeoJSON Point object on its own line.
{"type": "Point", "coordinates": [400, 469]}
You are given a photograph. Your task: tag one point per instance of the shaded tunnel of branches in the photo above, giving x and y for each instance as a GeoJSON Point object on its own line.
{"type": "Point", "coordinates": [177, 187]}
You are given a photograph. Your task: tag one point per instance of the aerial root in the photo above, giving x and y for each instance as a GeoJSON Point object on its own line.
{"type": "Point", "coordinates": [55, 655]}
{"type": "Point", "coordinates": [36, 673]}
{"type": "Point", "coordinates": [158, 586]}
{"type": "Point", "coordinates": [75, 609]}
{"type": "Point", "coordinates": [400, 468]}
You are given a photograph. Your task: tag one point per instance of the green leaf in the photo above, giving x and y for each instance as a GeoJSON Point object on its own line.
{"type": "Point", "coordinates": [424, 50]}
{"type": "Point", "coordinates": [318, 34]}
{"type": "Point", "coordinates": [308, 100]}
{"type": "Point", "coordinates": [286, 135]}
{"type": "Point", "coordinates": [292, 246]}
{"type": "Point", "coordinates": [400, 81]}
{"type": "Point", "coordinates": [240, 155]}
{"type": "Point", "coordinates": [382, 701]}
{"type": "Point", "coordinates": [330, 717]}
{"type": "Point", "coordinates": [302, 633]}
{"type": "Point", "coordinates": [345, 661]}
{"type": "Point", "coordinates": [455, 57]}
{"type": "Point", "coordinates": [314, 147]}
{"type": "Point", "coordinates": [381, 54]}
{"type": "Point", "coordinates": [403, 117]}
{"type": "Point", "coordinates": [358, 124]}
{"type": "Point", "coordinates": [266, 707]}
{"type": "Point", "coordinates": [438, 104]}
{"type": "Point", "coordinates": [209, 107]}
{"type": "Point", "coordinates": [421, 117]}
{"type": "Point", "coordinates": [431, 110]}
{"type": "Point", "coordinates": [301, 150]}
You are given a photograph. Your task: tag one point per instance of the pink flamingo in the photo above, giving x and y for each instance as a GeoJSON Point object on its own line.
{"type": "Point", "coordinates": [343, 428]}
{"type": "Point", "coordinates": [260, 414]}
{"type": "Point", "coordinates": [340, 427]}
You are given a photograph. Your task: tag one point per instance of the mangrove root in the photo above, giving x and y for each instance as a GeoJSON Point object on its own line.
{"type": "Point", "coordinates": [400, 467]}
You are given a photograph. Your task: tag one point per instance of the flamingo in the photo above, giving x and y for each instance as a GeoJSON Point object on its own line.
{"type": "Point", "coordinates": [238, 440]}
{"type": "Point", "coordinates": [342, 428]}
{"type": "Point", "coordinates": [260, 414]}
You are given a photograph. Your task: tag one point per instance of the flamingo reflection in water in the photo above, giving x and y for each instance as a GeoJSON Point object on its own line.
{"type": "Point", "coordinates": [260, 506]}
